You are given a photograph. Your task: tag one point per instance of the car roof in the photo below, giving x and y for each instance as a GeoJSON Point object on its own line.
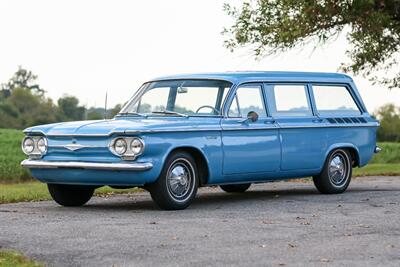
{"type": "Point", "coordinates": [248, 76]}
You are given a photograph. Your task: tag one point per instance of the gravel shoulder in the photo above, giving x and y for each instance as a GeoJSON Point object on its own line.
{"type": "Point", "coordinates": [273, 224]}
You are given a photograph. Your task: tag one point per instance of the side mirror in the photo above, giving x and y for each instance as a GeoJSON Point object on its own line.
{"type": "Point", "coordinates": [252, 116]}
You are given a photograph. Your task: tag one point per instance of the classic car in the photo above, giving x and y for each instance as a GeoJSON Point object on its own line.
{"type": "Point", "coordinates": [230, 129]}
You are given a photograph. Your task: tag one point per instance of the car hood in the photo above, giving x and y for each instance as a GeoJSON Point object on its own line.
{"type": "Point", "coordinates": [126, 125]}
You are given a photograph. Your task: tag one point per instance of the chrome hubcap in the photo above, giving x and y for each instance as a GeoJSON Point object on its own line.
{"type": "Point", "coordinates": [338, 170]}
{"type": "Point", "coordinates": [180, 180]}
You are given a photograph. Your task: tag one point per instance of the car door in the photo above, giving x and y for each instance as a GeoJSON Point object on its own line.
{"type": "Point", "coordinates": [249, 146]}
{"type": "Point", "coordinates": [303, 135]}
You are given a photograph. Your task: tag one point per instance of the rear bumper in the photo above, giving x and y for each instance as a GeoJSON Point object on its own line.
{"type": "Point", "coordinates": [42, 164]}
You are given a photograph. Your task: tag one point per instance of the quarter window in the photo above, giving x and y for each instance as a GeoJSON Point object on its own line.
{"type": "Point", "coordinates": [289, 100]}
{"type": "Point", "coordinates": [247, 98]}
{"type": "Point", "coordinates": [334, 100]}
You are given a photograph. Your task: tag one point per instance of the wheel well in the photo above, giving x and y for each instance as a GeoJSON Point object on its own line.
{"type": "Point", "coordinates": [354, 155]}
{"type": "Point", "coordinates": [200, 162]}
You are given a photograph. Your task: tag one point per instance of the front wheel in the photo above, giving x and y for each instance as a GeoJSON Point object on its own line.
{"type": "Point", "coordinates": [235, 188]}
{"type": "Point", "coordinates": [70, 195]}
{"type": "Point", "coordinates": [336, 175]}
{"type": "Point", "coordinates": [177, 184]}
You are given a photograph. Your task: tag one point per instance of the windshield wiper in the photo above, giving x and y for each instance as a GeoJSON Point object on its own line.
{"type": "Point", "coordinates": [169, 112]}
{"type": "Point", "coordinates": [132, 113]}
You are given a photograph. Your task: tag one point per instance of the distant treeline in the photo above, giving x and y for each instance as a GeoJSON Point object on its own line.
{"type": "Point", "coordinates": [23, 103]}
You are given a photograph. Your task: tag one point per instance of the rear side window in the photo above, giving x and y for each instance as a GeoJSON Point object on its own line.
{"type": "Point", "coordinates": [334, 100]}
{"type": "Point", "coordinates": [288, 100]}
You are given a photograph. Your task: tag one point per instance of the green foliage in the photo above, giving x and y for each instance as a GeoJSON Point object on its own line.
{"type": "Point", "coordinates": [22, 78]}
{"type": "Point", "coordinates": [15, 259]}
{"type": "Point", "coordinates": [390, 154]}
{"type": "Point", "coordinates": [95, 114]}
{"type": "Point", "coordinates": [36, 191]}
{"type": "Point", "coordinates": [69, 109]}
{"type": "Point", "coordinates": [23, 104]}
{"type": "Point", "coordinates": [31, 109]}
{"type": "Point", "coordinates": [372, 28]}
{"type": "Point", "coordinates": [376, 169]}
{"type": "Point", "coordinates": [389, 117]}
{"type": "Point", "coordinates": [11, 157]}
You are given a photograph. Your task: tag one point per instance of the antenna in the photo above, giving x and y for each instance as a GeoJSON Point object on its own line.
{"type": "Point", "coordinates": [105, 107]}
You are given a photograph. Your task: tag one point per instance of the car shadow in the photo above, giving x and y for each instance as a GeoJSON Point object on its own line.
{"type": "Point", "coordinates": [216, 198]}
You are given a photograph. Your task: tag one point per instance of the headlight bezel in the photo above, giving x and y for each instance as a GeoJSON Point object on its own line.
{"type": "Point", "coordinates": [45, 145]}
{"type": "Point", "coordinates": [129, 153]}
{"type": "Point", "coordinates": [140, 141]}
{"type": "Point", "coordinates": [124, 145]}
{"type": "Point", "coordinates": [23, 147]}
{"type": "Point", "coordinates": [35, 152]}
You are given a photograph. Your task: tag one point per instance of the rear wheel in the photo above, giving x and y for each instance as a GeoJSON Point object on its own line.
{"type": "Point", "coordinates": [336, 175]}
{"type": "Point", "coordinates": [235, 188]}
{"type": "Point", "coordinates": [177, 184]}
{"type": "Point", "coordinates": [70, 195]}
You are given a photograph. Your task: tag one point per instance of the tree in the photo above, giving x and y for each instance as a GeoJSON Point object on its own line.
{"type": "Point", "coordinates": [24, 79]}
{"type": "Point", "coordinates": [114, 111]}
{"type": "Point", "coordinates": [389, 116]}
{"type": "Point", "coordinates": [69, 108]}
{"type": "Point", "coordinates": [23, 108]}
{"type": "Point", "coordinates": [372, 28]}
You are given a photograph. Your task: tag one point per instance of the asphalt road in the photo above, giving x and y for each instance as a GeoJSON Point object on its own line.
{"type": "Point", "coordinates": [275, 224]}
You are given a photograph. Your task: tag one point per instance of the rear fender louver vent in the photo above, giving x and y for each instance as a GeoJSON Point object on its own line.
{"type": "Point", "coordinates": [346, 120]}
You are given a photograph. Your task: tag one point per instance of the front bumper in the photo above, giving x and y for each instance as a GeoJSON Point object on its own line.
{"type": "Point", "coordinates": [42, 164]}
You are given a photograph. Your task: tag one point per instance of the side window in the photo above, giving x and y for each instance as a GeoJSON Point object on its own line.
{"type": "Point", "coordinates": [334, 100]}
{"type": "Point", "coordinates": [289, 100]}
{"type": "Point", "coordinates": [247, 98]}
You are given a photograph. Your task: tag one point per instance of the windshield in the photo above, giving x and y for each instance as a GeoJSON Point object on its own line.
{"type": "Point", "coordinates": [179, 98]}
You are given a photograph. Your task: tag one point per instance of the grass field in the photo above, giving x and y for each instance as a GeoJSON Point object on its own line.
{"type": "Point", "coordinates": [11, 156]}
{"type": "Point", "coordinates": [389, 169]}
{"type": "Point", "coordinates": [14, 259]}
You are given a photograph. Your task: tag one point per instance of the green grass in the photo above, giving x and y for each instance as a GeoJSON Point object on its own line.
{"type": "Point", "coordinates": [372, 169]}
{"type": "Point", "coordinates": [11, 156]}
{"type": "Point", "coordinates": [35, 191]}
{"type": "Point", "coordinates": [15, 259]}
{"type": "Point", "coordinates": [390, 153]}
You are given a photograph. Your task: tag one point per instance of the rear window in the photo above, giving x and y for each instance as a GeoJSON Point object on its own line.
{"type": "Point", "coordinates": [334, 100]}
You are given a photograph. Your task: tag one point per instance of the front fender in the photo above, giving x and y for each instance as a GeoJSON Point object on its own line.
{"type": "Point", "coordinates": [208, 144]}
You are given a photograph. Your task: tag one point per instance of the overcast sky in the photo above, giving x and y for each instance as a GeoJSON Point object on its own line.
{"type": "Point", "coordinates": [85, 48]}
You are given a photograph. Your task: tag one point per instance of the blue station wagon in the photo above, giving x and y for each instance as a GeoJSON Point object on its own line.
{"type": "Point", "coordinates": [229, 129]}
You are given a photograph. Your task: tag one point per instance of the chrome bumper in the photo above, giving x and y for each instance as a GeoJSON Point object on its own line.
{"type": "Point", "coordinates": [41, 164]}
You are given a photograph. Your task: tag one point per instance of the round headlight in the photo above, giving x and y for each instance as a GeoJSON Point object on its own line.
{"type": "Point", "coordinates": [120, 146]}
{"type": "Point", "coordinates": [136, 146]}
{"type": "Point", "coordinates": [42, 145]}
{"type": "Point", "coordinates": [28, 145]}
